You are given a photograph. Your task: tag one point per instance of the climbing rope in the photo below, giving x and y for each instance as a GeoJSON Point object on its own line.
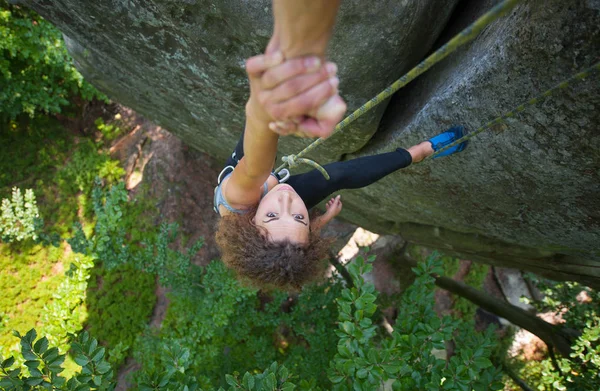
{"type": "Point", "coordinates": [541, 97]}
{"type": "Point", "coordinates": [465, 36]}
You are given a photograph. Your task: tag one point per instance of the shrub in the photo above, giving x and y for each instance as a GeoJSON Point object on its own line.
{"type": "Point", "coordinates": [20, 218]}
{"type": "Point", "coordinates": [44, 365]}
{"type": "Point", "coordinates": [37, 74]}
{"type": "Point", "coordinates": [215, 326]}
{"type": "Point", "coordinates": [364, 358]}
{"type": "Point", "coordinates": [580, 371]}
{"type": "Point", "coordinates": [119, 304]}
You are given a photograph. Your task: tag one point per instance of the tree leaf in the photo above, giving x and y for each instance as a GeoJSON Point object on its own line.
{"type": "Point", "coordinates": [8, 362]}
{"type": "Point", "coordinates": [231, 380]}
{"type": "Point", "coordinates": [248, 381]}
{"type": "Point", "coordinates": [41, 346]}
{"type": "Point", "coordinates": [81, 360]}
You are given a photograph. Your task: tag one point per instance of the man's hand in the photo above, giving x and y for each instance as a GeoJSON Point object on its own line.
{"type": "Point", "coordinates": [319, 122]}
{"type": "Point", "coordinates": [288, 89]}
{"type": "Point", "coordinates": [301, 28]}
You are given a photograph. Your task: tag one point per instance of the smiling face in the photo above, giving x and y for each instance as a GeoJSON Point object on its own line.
{"type": "Point", "coordinates": [283, 214]}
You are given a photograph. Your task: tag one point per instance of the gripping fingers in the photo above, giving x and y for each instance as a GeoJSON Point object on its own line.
{"type": "Point", "coordinates": [325, 118]}
{"type": "Point", "coordinates": [304, 102]}
{"type": "Point", "coordinates": [298, 84]}
{"type": "Point", "coordinates": [283, 128]}
{"type": "Point", "coordinates": [256, 65]}
{"type": "Point", "coordinates": [295, 67]}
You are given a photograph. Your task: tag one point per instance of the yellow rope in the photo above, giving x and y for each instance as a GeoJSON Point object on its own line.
{"type": "Point", "coordinates": [294, 161]}
{"type": "Point", "coordinates": [459, 40]}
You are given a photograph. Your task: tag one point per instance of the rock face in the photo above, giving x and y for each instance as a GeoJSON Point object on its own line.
{"type": "Point", "coordinates": [181, 63]}
{"type": "Point", "coordinates": [524, 195]}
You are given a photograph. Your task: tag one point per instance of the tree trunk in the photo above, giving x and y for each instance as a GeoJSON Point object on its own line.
{"type": "Point", "coordinates": [552, 335]}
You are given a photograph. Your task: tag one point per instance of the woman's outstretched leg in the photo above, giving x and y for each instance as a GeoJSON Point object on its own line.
{"type": "Point", "coordinates": [356, 173]}
{"type": "Point", "coordinates": [420, 151]}
{"type": "Point", "coordinates": [312, 187]}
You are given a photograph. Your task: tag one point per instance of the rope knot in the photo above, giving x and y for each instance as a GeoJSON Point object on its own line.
{"type": "Point", "coordinates": [291, 160]}
{"type": "Point", "coordinates": [294, 161]}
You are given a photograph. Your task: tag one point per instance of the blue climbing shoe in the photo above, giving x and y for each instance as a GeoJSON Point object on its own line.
{"type": "Point", "coordinates": [448, 137]}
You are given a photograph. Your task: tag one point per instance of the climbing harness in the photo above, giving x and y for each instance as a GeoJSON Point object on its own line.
{"type": "Point", "coordinates": [462, 38]}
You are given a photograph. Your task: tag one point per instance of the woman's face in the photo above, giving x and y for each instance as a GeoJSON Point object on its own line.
{"type": "Point", "coordinates": [283, 214]}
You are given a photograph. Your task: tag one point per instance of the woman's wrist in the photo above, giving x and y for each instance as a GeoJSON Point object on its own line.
{"type": "Point", "coordinates": [257, 120]}
{"type": "Point", "coordinates": [255, 114]}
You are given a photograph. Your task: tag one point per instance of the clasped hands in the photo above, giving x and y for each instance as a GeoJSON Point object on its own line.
{"type": "Point", "coordinates": [298, 96]}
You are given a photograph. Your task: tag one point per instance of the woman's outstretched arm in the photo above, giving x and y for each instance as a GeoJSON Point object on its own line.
{"type": "Point", "coordinates": [298, 89]}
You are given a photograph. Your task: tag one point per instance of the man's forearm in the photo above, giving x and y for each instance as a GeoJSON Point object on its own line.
{"type": "Point", "coordinates": [303, 27]}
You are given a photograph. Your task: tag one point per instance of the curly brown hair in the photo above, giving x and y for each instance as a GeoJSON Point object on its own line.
{"type": "Point", "coordinates": [256, 260]}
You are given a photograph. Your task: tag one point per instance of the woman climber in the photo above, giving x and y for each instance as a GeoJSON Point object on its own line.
{"type": "Point", "coordinates": [266, 234]}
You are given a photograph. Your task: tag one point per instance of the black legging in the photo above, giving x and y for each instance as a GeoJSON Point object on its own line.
{"type": "Point", "coordinates": [313, 188]}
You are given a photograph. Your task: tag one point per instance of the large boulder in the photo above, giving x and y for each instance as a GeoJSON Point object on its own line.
{"type": "Point", "coordinates": [525, 194]}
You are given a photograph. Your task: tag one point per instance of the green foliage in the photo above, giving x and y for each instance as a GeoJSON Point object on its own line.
{"type": "Point", "coordinates": [43, 366]}
{"type": "Point", "coordinates": [109, 131]}
{"type": "Point", "coordinates": [215, 326]}
{"type": "Point", "coordinates": [20, 220]}
{"type": "Point", "coordinates": [580, 371]}
{"type": "Point", "coordinates": [30, 279]}
{"type": "Point", "coordinates": [229, 327]}
{"type": "Point", "coordinates": [119, 304]}
{"type": "Point", "coordinates": [37, 74]}
{"type": "Point", "coordinates": [86, 164]}
{"type": "Point", "coordinates": [37, 148]}
{"type": "Point", "coordinates": [108, 243]}
{"type": "Point", "coordinates": [20, 217]}
{"type": "Point", "coordinates": [65, 314]}
{"type": "Point", "coordinates": [274, 378]}
{"type": "Point", "coordinates": [406, 359]}
{"type": "Point", "coordinates": [364, 359]}
{"type": "Point", "coordinates": [35, 288]}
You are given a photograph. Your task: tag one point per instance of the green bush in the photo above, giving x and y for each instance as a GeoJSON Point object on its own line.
{"type": "Point", "coordinates": [228, 327]}
{"type": "Point", "coordinates": [215, 326]}
{"type": "Point", "coordinates": [19, 217]}
{"type": "Point", "coordinates": [119, 304]}
{"type": "Point", "coordinates": [87, 163]}
{"type": "Point", "coordinates": [580, 371]}
{"type": "Point", "coordinates": [37, 74]}
{"type": "Point", "coordinates": [364, 358]}
{"type": "Point", "coordinates": [64, 316]}
{"type": "Point", "coordinates": [44, 364]}
{"type": "Point", "coordinates": [406, 359]}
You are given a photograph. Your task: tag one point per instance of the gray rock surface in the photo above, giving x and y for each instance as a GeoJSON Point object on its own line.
{"type": "Point", "coordinates": [514, 287]}
{"type": "Point", "coordinates": [524, 195]}
{"type": "Point", "coordinates": [181, 63]}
